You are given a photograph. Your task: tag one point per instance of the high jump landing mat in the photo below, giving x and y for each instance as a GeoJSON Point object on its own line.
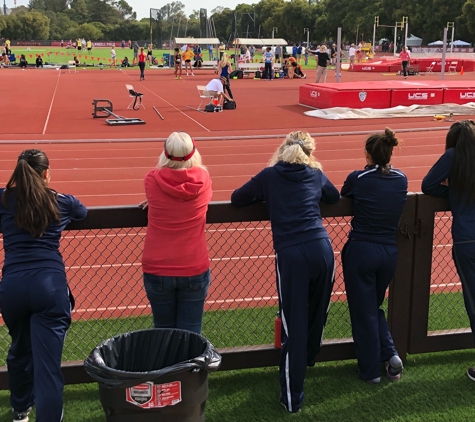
{"type": "Point", "coordinates": [385, 94]}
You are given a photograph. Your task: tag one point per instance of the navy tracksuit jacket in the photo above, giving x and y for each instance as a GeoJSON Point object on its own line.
{"type": "Point", "coordinates": [304, 263]}
{"type": "Point", "coordinates": [463, 229]}
{"type": "Point", "coordinates": [369, 260]}
{"type": "Point", "coordinates": [35, 305]}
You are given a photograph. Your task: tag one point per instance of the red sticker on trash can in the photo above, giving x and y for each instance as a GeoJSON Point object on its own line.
{"type": "Point", "coordinates": [149, 395]}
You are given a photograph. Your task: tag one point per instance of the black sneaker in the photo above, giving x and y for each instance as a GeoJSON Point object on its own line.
{"type": "Point", "coordinates": [471, 373]}
{"type": "Point", "coordinates": [21, 416]}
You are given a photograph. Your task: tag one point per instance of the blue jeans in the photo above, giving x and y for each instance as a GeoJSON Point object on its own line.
{"type": "Point", "coordinates": [177, 302]}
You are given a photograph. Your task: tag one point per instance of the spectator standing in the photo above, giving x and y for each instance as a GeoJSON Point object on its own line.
{"type": "Point", "coordinates": [136, 53]}
{"type": "Point", "coordinates": [221, 50]}
{"type": "Point", "coordinates": [294, 51]}
{"type": "Point", "coordinates": [89, 46]}
{"type": "Point", "coordinates": [278, 53]}
{"type": "Point", "coordinates": [352, 54]}
{"type": "Point", "coordinates": [113, 57]}
{"type": "Point", "coordinates": [225, 68]}
{"type": "Point", "coordinates": [292, 187]}
{"type": "Point", "coordinates": [299, 53]}
{"type": "Point", "coordinates": [34, 296]}
{"type": "Point", "coordinates": [142, 61]}
{"type": "Point", "coordinates": [210, 52]}
{"type": "Point", "coordinates": [187, 56]}
{"type": "Point", "coordinates": [177, 62]}
{"type": "Point", "coordinates": [268, 57]}
{"type": "Point", "coordinates": [150, 54]}
{"type": "Point", "coordinates": [62, 43]}
{"type": "Point", "coordinates": [252, 52]}
{"type": "Point", "coordinates": [322, 63]}
{"type": "Point", "coordinates": [305, 54]}
{"type": "Point", "coordinates": [405, 57]}
{"type": "Point", "coordinates": [175, 258]}
{"type": "Point", "coordinates": [452, 177]}
{"type": "Point", "coordinates": [370, 255]}
{"type": "Point", "coordinates": [79, 44]}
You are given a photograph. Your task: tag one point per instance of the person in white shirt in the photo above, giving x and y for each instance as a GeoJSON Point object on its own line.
{"type": "Point", "coordinates": [247, 55]}
{"type": "Point", "coordinates": [268, 58]}
{"type": "Point", "coordinates": [113, 57]}
{"type": "Point", "coordinates": [215, 87]}
{"type": "Point", "coordinates": [352, 53]}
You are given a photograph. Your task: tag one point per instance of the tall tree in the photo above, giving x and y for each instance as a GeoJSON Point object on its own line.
{"type": "Point", "coordinates": [78, 11]}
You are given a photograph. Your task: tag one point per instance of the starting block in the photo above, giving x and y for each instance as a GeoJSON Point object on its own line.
{"type": "Point", "coordinates": [103, 108]}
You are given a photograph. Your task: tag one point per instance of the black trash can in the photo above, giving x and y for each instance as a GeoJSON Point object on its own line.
{"type": "Point", "coordinates": [153, 375]}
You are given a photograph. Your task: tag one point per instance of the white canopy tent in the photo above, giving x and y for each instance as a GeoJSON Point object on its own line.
{"type": "Point", "coordinates": [200, 41]}
{"type": "Point", "coordinates": [413, 41]}
{"type": "Point", "coordinates": [259, 41]}
{"type": "Point", "coordinates": [435, 43]}
{"type": "Point", "coordinates": [460, 43]}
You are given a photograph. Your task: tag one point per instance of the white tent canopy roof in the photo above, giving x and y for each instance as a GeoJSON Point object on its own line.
{"type": "Point", "coordinates": [413, 37]}
{"type": "Point", "coordinates": [259, 41]}
{"type": "Point", "coordinates": [460, 42]}
{"type": "Point", "coordinates": [436, 43]}
{"type": "Point", "coordinates": [191, 40]}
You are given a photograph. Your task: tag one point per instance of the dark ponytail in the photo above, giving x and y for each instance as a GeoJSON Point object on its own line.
{"type": "Point", "coordinates": [380, 147]}
{"type": "Point", "coordinates": [36, 204]}
{"type": "Point", "coordinates": [461, 137]}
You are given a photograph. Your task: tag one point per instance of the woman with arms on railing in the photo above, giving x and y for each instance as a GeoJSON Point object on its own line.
{"type": "Point", "coordinates": [175, 259]}
{"type": "Point", "coordinates": [292, 187]}
{"type": "Point", "coordinates": [453, 177]}
{"type": "Point", "coordinates": [34, 297]}
{"type": "Point", "coordinates": [370, 255]}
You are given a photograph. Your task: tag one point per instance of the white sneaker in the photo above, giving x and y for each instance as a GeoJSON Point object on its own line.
{"type": "Point", "coordinates": [192, 74]}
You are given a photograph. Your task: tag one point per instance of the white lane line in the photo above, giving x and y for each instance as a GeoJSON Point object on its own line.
{"type": "Point", "coordinates": [51, 104]}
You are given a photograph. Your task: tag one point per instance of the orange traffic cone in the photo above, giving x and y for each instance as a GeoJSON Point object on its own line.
{"type": "Point", "coordinates": [461, 70]}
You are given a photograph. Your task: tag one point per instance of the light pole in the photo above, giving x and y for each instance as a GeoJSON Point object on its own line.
{"type": "Point", "coordinates": [4, 8]}
{"type": "Point", "coordinates": [405, 22]}
{"type": "Point", "coordinates": [451, 25]}
{"type": "Point", "coordinates": [274, 29]}
{"type": "Point", "coordinates": [376, 24]}
{"type": "Point", "coordinates": [307, 30]}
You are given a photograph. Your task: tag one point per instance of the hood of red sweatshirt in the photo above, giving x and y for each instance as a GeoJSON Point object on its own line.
{"type": "Point", "coordinates": [185, 184]}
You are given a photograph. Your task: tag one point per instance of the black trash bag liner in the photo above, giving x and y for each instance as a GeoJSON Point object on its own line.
{"type": "Point", "coordinates": [140, 356]}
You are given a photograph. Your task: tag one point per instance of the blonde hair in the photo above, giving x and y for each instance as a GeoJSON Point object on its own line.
{"type": "Point", "coordinates": [179, 144]}
{"type": "Point", "coordinates": [297, 148]}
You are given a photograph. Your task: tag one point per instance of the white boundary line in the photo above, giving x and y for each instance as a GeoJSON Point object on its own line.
{"type": "Point", "coordinates": [51, 104]}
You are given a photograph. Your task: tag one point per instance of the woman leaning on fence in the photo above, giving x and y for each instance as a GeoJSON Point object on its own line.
{"type": "Point", "coordinates": [453, 177]}
{"type": "Point", "coordinates": [370, 255]}
{"type": "Point", "coordinates": [175, 259]}
{"type": "Point", "coordinates": [34, 295]}
{"type": "Point", "coordinates": [292, 187]}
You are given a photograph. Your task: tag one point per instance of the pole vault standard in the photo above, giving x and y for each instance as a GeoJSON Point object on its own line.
{"type": "Point", "coordinates": [398, 25]}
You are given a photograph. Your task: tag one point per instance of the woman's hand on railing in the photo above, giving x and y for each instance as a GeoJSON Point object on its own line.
{"type": "Point", "coordinates": [143, 205]}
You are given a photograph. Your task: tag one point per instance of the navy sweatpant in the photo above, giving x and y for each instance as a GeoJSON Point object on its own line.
{"type": "Point", "coordinates": [36, 309]}
{"type": "Point", "coordinates": [305, 275]}
{"type": "Point", "coordinates": [464, 258]}
{"type": "Point", "coordinates": [368, 268]}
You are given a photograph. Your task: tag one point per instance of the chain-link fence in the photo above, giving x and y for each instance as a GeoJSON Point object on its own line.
{"type": "Point", "coordinates": [105, 275]}
{"type": "Point", "coordinates": [446, 308]}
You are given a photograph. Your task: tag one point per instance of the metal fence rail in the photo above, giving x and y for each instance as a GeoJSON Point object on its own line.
{"type": "Point", "coordinates": [102, 255]}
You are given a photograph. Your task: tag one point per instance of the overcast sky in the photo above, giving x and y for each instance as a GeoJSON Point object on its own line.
{"type": "Point", "coordinates": [142, 7]}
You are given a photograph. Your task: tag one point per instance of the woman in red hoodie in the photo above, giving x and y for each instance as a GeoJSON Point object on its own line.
{"type": "Point", "coordinates": [175, 259]}
{"type": "Point", "coordinates": [405, 56]}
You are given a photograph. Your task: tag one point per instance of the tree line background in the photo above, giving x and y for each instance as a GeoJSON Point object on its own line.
{"type": "Point", "coordinates": [116, 20]}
